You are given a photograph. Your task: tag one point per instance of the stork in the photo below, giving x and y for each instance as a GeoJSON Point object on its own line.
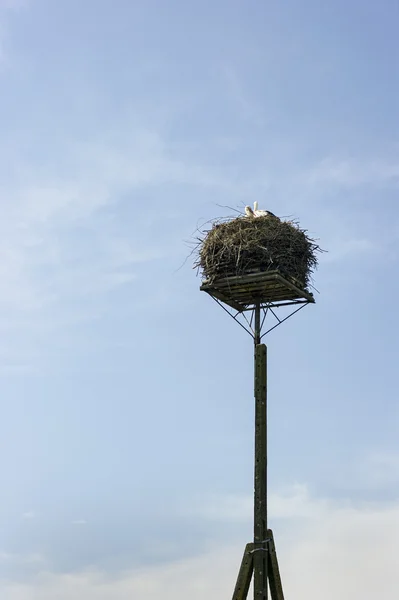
{"type": "Point", "coordinates": [261, 213]}
{"type": "Point", "coordinates": [249, 212]}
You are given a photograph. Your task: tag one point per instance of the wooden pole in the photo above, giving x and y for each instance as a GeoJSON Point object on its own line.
{"type": "Point", "coordinates": [260, 551]}
{"type": "Point", "coordinates": [257, 331]}
{"type": "Point", "coordinates": [260, 558]}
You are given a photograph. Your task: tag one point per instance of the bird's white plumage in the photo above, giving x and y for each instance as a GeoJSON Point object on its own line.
{"type": "Point", "coordinates": [255, 212]}
{"type": "Point", "coordinates": [261, 213]}
{"type": "Point", "coordinates": [249, 212]}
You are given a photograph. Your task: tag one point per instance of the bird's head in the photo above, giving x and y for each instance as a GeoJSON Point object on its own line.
{"type": "Point", "coordinates": [255, 205]}
{"type": "Point", "coordinates": [249, 212]}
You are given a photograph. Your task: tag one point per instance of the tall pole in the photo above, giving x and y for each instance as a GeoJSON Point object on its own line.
{"type": "Point", "coordinates": [260, 556]}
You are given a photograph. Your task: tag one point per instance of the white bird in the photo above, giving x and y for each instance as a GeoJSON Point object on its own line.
{"type": "Point", "coordinates": [249, 212]}
{"type": "Point", "coordinates": [260, 213]}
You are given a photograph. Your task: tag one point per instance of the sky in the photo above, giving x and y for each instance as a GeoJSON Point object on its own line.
{"type": "Point", "coordinates": [126, 394]}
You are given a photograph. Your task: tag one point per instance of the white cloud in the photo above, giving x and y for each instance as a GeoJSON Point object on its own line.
{"type": "Point", "coordinates": [293, 502]}
{"type": "Point", "coordinates": [326, 549]}
{"type": "Point", "coordinates": [380, 470]}
{"type": "Point", "coordinates": [349, 554]}
{"type": "Point", "coordinates": [44, 206]}
{"type": "Point", "coordinates": [21, 559]}
{"type": "Point", "coordinates": [34, 216]}
{"type": "Point", "coordinates": [29, 515]}
{"type": "Point", "coordinates": [45, 212]}
{"type": "Point", "coordinates": [222, 508]}
{"type": "Point", "coordinates": [386, 462]}
{"type": "Point", "coordinates": [36, 211]}
{"type": "Point", "coordinates": [63, 241]}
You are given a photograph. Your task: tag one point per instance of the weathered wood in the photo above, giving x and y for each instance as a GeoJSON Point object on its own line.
{"type": "Point", "coordinates": [276, 587]}
{"type": "Point", "coordinates": [296, 289]}
{"type": "Point", "coordinates": [251, 558]}
{"type": "Point", "coordinates": [244, 574]}
{"type": "Point", "coordinates": [242, 292]}
{"type": "Point", "coordinates": [260, 558]}
{"type": "Point", "coordinates": [213, 291]}
{"type": "Point", "coordinates": [260, 476]}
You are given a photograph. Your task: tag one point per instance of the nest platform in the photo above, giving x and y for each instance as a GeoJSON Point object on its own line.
{"type": "Point", "coordinates": [269, 288]}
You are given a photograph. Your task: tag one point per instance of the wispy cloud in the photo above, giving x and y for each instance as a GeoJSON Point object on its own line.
{"type": "Point", "coordinates": [293, 502]}
{"type": "Point", "coordinates": [353, 172]}
{"type": "Point", "coordinates": [42, 218]}
{"type": "Point", "coordinates": [30, 514]}
{"type": "Point", "coordinates": [63, 237]}
{"type": "Point", "coordinates": [380, 470]}
{"type": "Point", "coordinates": [21, 559]}
{"type": "Point", "coordinates": [328, 538]}
{"type": "Point", "coordinates": [40, 259]}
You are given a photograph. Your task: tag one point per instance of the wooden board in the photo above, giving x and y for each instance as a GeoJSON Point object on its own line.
{"type": "Point", "coordinates": [241, 292]}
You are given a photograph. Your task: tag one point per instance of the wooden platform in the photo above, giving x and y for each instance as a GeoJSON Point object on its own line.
{"type": "Point", "coordinates": [269, 287]}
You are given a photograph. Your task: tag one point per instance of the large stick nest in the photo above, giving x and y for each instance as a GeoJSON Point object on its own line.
{"type": "Point", "coordinates": [245, 245]}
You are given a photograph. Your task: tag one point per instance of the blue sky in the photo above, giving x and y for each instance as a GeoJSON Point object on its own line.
{"type": "Point", "coordinates": [126, 394]}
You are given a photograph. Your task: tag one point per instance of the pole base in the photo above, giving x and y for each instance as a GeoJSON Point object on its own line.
{"type": "Point", "coordinates": [249, 564]}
